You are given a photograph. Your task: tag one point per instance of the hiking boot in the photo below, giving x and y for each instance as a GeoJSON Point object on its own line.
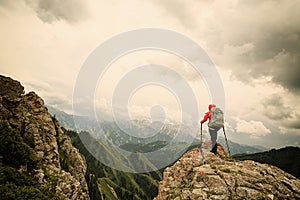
{"type": "Point", "coordinates": [214, 150]}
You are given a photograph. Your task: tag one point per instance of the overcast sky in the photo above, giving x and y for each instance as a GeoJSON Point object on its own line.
{"type": "Point", "coordinates": [255, 45]}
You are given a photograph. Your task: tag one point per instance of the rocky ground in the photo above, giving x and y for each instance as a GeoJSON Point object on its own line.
{"type": "Point", "coordinates": [209, 176]}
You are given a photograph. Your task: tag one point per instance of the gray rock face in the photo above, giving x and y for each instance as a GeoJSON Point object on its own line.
{"type": "Point", "coordinates": [27, 113]}
{"type": "Point", "coordinates": [221, 177]}
{"type": "Point", "coordinates": [10, 88]}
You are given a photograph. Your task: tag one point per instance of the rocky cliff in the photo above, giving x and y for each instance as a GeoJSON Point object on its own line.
{"type": "Point", "coordinates": [209, 176]}
{"type": "Point", "coordinates": [59, 166]}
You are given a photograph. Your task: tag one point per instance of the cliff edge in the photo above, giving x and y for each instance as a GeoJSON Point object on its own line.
{"type": "Point", "coordinates": [54, 162]}
{"type": "Point", "coordinates": [209, 176]}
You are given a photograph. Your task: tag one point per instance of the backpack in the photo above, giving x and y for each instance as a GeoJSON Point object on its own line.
{"type": "Point", "coordinates": [217, 120]}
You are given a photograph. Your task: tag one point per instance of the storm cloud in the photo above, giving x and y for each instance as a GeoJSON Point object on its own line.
{"type": "Point", "coordinates": [275, 108]}
{"type": "Point", "coordinates": [50, 11]}
{"type": "Point", "coordinates": [253, 39]}
{"type": "Point", "coordinates": [180, 10]}
{"type": "Point", "coordinates": [255, 45]}
{"type": "Point", "coordinates": [53, 10]}
{"type": "Point", "coordinates": [286, 116]}
{"type": "Point", "coordinates": [272, 28]}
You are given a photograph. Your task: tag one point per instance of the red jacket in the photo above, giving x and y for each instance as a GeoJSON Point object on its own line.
{"type": "Point", "coordinates": [206, 117]}
{"type": "Point", "coordinates": [208, 114]}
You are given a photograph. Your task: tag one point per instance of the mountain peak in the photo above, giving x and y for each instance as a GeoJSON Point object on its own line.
{"type": "Point", "coordinates": [209, 176]}
{"type": "Point", "coordinates": [34, 146]}
{"type": "Point", "coordinates": [10, 87]}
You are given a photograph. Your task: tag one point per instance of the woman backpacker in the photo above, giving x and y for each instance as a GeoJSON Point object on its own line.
{"type": "Point", "coordinates": [216, 122]}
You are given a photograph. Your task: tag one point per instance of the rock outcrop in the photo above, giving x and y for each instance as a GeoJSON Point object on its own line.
{"type": "Point", "coordinates": [61, 167]}
{"type": "Point", "coordinates": [209, 176]}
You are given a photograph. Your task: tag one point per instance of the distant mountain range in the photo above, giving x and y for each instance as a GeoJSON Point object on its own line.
{"type": "Point", "coordinates": [288, 159]}
{"type": "Point", "coordinates": [236, 148]}
{"type": "Point", "coordinates": [107, 183]}
{"type": "Point", "coordinates": [120, 138]}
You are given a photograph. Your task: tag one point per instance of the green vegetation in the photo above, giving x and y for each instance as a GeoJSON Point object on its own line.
{"type": "Point", "coordinates": [17, 151]}
{"type": "Point", "coordinates": [101, 178]}
{"type": "Point", "coordinates": [15, 184]}
{"type": "Point", "coordinates": [143, 148]}
{"type": "Point", "coordinates": [226, 170]}
{"type": "Point", "coordinates": [64, 161]}
{"type": "Point", "coordinates": [190, 176]}
{"type": "Point", "coordinates": [32, 120]}
{"type": "Point", "coordinates": [14, 150]}
{"type": "Point", "coordinates": [105, 185]}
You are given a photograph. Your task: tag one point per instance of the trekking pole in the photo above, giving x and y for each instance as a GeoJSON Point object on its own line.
{"type": "Point", "coordinates": [226, 141]}
{"type": "Point", "coordinates": [201, 143]}
{"type": "Point", "coordinates": [201, 137]}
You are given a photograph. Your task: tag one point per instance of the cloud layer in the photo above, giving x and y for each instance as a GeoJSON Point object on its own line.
{"type": "Point", "coordinates": [254, 39]}
{"type": "Point", "coordinates": [255, 44]}
{"type": "Point", "coordinates": [286, 116]}
{"type": "Point", "coordinates": [266, 42]}
{"type": "Point", "coordinates": [50, 11]}
{"type": "Point", "coordinates": [256, 129]}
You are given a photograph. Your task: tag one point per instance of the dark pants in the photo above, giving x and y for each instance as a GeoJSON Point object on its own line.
{"type": "Point", "coordinates": [213, 135]}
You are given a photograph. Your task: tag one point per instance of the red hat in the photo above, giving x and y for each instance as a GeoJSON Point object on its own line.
{"type": "Point", "coordinates": [211, 106]}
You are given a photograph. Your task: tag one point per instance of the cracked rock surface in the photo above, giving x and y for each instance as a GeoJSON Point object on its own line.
{"type": "Point", "coordinates": [209, 176]}
{"type": "Point", "coordinates": [27, 114]}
